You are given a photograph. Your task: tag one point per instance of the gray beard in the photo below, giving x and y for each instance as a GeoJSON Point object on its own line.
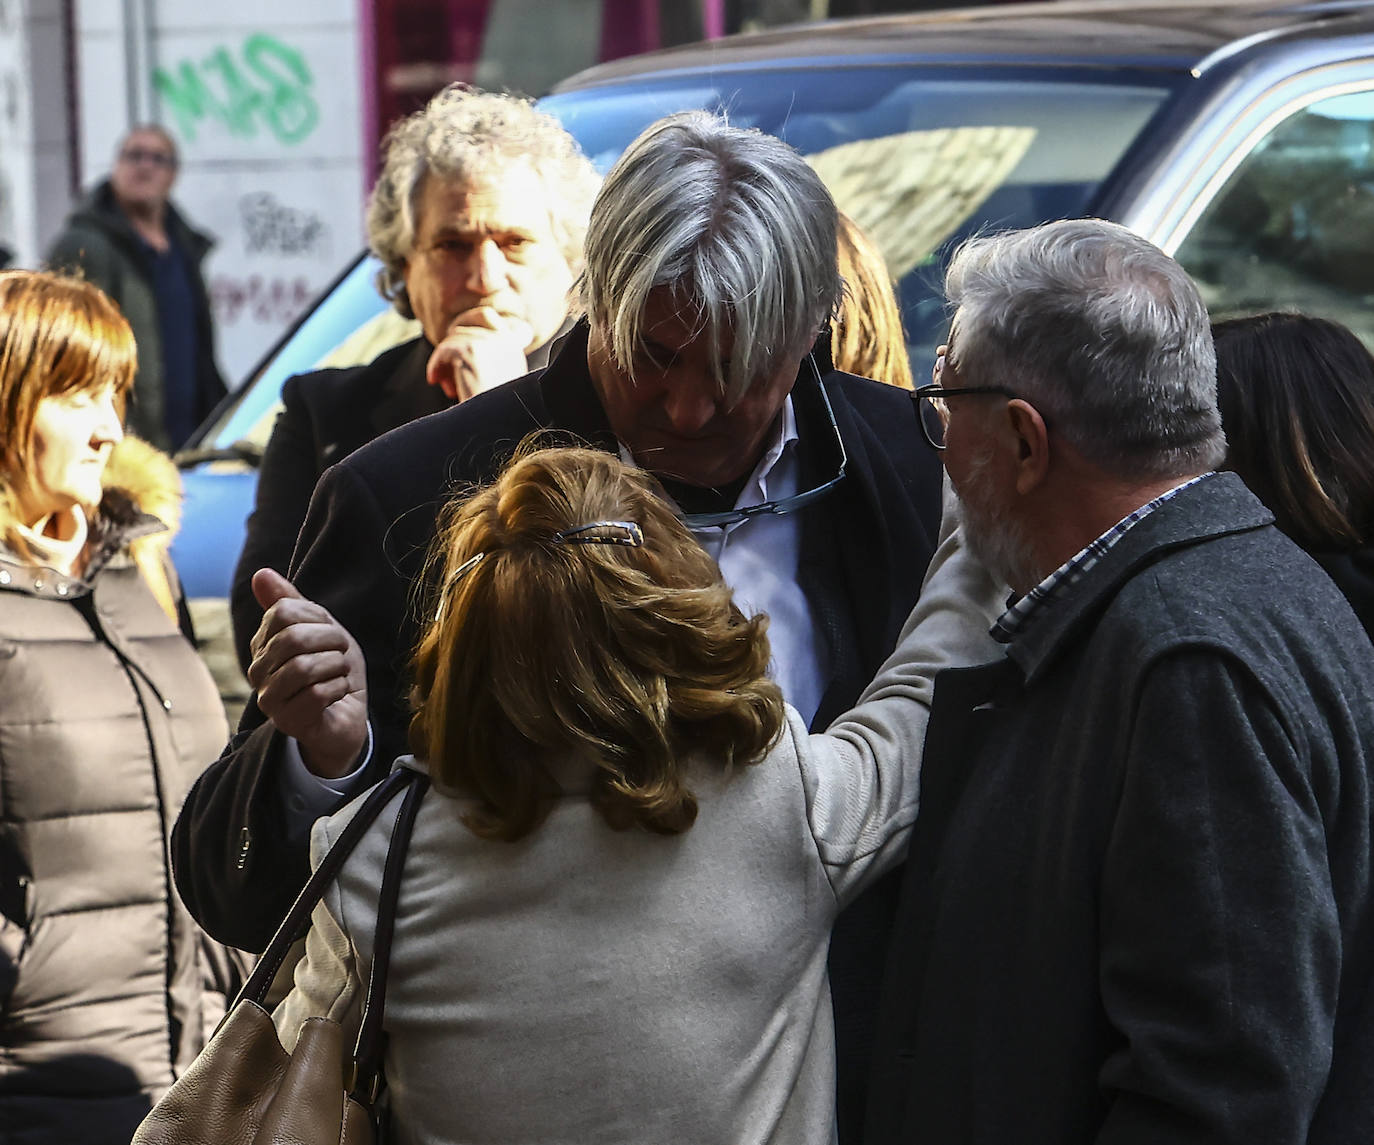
{"type": "Point", "coordinates": [998, 541]}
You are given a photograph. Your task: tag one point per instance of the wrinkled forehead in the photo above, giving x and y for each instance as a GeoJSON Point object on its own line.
{"type": "Point", "coordinates": [509, 197]}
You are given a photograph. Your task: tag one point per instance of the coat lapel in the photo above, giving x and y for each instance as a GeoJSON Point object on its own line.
{"type": "Point", "coordinates": [848, 565]}
{"type": "Point", "coordinates": [403, 394]}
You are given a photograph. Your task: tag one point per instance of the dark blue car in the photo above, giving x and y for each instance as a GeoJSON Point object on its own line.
{"type": "Point", "coordinates": [1237, 136]}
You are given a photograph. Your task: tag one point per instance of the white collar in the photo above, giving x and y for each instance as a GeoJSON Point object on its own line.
{"type": "Point", "coordinates": [756, 488]}
{"type": "Point", "coordinates": [59, 554]}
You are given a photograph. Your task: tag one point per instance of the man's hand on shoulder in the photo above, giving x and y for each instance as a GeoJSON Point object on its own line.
{"type": "Point", "coordinates": [309, 675]}
{"type": "Point", "coordinates": [483, 348]}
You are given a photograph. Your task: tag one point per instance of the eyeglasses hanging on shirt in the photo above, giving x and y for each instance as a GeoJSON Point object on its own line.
{"type": "Point", "coordinates": [783, 504]}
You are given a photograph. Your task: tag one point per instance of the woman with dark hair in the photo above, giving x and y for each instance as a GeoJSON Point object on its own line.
{"type": "Point", "coordinates": [1297, 403]}
{"type": "Point", "coordinates": [616, 904]}
{"type": "Point", "coordinates": [106, 715]}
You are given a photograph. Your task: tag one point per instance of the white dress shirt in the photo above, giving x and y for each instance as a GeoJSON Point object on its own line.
{"type": "Point", "coordinates": [758, 559]}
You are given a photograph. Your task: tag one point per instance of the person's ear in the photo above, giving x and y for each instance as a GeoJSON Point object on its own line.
{"type": "Point", "coordinates": [1032, 442]}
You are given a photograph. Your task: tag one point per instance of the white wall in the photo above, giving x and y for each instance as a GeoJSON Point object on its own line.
{"type": "Point", "coordinates": [264, 99]}
{"type": "Point", "coordinates": [35, 171]}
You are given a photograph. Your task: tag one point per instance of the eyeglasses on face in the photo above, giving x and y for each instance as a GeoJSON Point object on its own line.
{"type": "Point", "coordinates": [932, 414]}
{"type": "Point", "coordinates": [147, 155]}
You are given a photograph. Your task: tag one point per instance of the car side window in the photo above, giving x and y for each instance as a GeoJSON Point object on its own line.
{"type": "Point", "coordinates": [1293, 227]}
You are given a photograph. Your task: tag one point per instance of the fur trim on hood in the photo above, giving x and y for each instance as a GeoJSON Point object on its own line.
{"type": "Point", "coordinates": [150, 479]}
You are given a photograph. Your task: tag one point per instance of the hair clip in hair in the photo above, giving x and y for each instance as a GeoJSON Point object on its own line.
{"type": "Point", "coordinates": [625, 533]}
{"type": "Point", "coordinates": [454, 577]}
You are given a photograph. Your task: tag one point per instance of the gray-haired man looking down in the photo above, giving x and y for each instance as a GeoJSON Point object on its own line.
{"type": "Point", "coordinates": [710, 272]}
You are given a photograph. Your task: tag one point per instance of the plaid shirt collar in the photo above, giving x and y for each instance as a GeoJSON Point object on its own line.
{"type": "Point", "coordinates": [1013, 622]}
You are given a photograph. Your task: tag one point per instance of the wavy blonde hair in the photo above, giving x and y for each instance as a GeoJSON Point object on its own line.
{"type": "Point", "coordinates": [58, 335]}
{"type": "Point", "coordinates": [630, 659]}
{"type": "Point", "coordinates": [869, 338]}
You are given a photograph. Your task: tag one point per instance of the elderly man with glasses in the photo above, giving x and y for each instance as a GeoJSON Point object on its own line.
{"type": "Point", "coordinates": [1138, 901]}
{"type": "Point", "coordinates": [128, 239]}
{"type": "Point", "coordinates": [710, 274]}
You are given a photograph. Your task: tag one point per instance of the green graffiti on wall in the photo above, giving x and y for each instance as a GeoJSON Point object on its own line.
{"type": "Point", "coordinates": [266, 87]}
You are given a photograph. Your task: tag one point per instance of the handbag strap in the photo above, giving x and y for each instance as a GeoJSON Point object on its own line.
{"type": "Point", "coordinates": [367, 1056]}
{"type": "Point", "coordinates": [297, 921]}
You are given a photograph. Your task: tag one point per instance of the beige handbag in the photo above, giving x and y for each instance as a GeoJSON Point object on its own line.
{"type": "Point", "coordinates": [244, 1089]}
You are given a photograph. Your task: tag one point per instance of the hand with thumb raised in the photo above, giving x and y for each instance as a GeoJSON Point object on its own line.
{"type": "Point", "coordinates": [309, 675]}
{"type": "Point", "coordinates": [269, 586]}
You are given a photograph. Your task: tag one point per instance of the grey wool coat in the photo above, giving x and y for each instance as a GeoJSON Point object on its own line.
{"type": "Point", "coordinates": [105, 714]}
{"type": "Point", "coordinates": [1139, 905]}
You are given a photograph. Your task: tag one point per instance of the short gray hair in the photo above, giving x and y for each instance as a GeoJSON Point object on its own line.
{"type": "Point", "coordinates": [1103, 333]}
{"type": "Point", "coordinates": [151, 128]}
{"type": "Point", "coordinates": [464, 134]}
{"type": "Point", "coordinates": [735, 222]}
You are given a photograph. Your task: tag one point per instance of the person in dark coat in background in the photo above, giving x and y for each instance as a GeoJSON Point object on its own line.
{"type": "Point", "coordinates": [128, 239]}
{"type": "Point", "coordinates": [478, 218]}
{"type": "Point", "coordinates": [700, 359]}
{"type": "Point", "coordinates": [1297, 402]}
{"type": "Point", "coordinates": [105, 713]}
{"type": "Point", "coordinates": [1138, 904]}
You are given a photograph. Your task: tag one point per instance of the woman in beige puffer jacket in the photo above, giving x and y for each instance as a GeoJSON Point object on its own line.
{"type": "Point", "coordinates": [106, 715]}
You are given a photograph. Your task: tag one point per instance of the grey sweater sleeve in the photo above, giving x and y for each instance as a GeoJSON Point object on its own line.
{"type": "Point", "coordinates": [862, 775]}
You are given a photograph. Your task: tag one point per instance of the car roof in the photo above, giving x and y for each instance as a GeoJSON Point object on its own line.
{"type": "Point", "coordinates": [1161, 34]}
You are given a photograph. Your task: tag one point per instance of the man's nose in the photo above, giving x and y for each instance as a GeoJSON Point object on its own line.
{"type": "Point", "coordinates": [689, 407]}
{"type": "Point", "coordinates": [486, 268]}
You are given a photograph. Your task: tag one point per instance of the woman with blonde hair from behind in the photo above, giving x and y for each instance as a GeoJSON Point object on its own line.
{"type": "Point", "coordinates": [106, 714]}
{"type": "Point", "coordinates": [616, 904]}
{"type": "Point", "coordinates": [868, 336]}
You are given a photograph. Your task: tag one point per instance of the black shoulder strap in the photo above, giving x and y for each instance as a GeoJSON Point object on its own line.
{"type": "Point", "coordinates": [367, 1056]}
{"type": "Point", "coordinates": [297, 921]}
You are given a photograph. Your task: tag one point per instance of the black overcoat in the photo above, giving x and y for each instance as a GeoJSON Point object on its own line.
{"type": "Point", "coordinates": [325, 416]}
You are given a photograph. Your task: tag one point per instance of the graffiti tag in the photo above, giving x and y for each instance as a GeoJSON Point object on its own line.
{"type": "Point", "coordinates": [258, 299]}
{"type": "Point", "coordinates": [268, 86]}
{"type": "Point", "coordinates": [271, 227]}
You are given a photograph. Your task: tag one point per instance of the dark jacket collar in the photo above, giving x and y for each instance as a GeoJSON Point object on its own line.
{"type": "Point", "coordinates": [539, 357]}
{"type": "Point", "coordinates": [1214, 507]}
{"type": "Point", "coordinates": [100, 209]}
{"type": "Point", "coordinates": [399, 376]}
{"type": "Point", "coordinates": [570, 396]}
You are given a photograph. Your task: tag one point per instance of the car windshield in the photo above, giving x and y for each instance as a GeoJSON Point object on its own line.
{"type": "Point", "coordinates": [919, 156]}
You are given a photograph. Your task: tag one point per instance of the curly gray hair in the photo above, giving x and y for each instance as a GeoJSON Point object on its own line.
{"type": "Point", "coordinates": [462, 134]}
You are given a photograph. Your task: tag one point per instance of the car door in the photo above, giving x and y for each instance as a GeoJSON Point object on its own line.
{"type": "Point", "coordinates": [1269, 201]}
